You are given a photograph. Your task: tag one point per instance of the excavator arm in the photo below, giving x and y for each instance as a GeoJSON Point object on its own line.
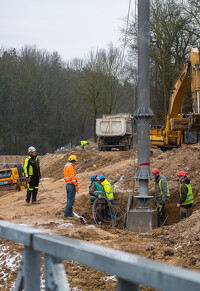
{"type": "Point", "coordinates": [172, 135]}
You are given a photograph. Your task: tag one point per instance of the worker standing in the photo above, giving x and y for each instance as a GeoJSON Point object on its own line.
{"type": "Point", "coordinates": [71, 185]}
{"type": "Point", "coordinates": [32, 174]}
{"type": "Point", "coordinates": [186, 197]}
{"type": "Point", "coordinates": [84, 143]}
{"type": "Point", "coordinates": [161, 195]}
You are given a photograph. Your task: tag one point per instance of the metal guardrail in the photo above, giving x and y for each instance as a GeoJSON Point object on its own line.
{"type": "Point", "coordinates": [131, 270]}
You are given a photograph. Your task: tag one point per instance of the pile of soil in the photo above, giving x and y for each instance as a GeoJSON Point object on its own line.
{"type": "Point", "coordinates": [178, 243]}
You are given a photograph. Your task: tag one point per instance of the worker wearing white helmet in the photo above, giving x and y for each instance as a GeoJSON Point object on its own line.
{"type": "Point", "coordinates": [32, 174]}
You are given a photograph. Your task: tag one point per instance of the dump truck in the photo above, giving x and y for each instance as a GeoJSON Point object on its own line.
{"type": "Point", "coordinates": [181, 128]}
{"type": "Point", "coordinates": [114, 131]}
{"type": "Point", "coordinates": [11, 178]}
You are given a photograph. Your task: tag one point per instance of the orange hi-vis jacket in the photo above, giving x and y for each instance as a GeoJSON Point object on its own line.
{"type": "Point", "coordinates": [70, 174]}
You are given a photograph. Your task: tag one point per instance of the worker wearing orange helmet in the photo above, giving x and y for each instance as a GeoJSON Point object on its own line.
{"type": "Point", "coordinates": [71, 185]}
{"type": "Point", "coordinates": [161, 195]}
{"type": "Point", "coordinates": [186, 197]}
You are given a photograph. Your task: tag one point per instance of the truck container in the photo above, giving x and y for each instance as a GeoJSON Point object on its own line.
{"type": "Point", "coordinates": [114, 131]}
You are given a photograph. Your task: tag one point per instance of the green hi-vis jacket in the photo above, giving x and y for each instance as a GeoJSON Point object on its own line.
{"type": "Point", "coordinates": [84, 143]}
{"type": "Point", "coordinates": [108, 189]}
{"type": "Point", "coordinates": [161, 190]}
{"type": "Point", "coordinates": [190, 198]}
{"type": "Point", "coordinates": [97, 191]}
{"type": "Point", "coordinates": [32, 166]}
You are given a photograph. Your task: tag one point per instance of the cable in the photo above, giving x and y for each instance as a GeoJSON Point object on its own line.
{"type": "Point", "coordinates": [123, 51]}
{"type": "Point", "coordinates": [50, 194]}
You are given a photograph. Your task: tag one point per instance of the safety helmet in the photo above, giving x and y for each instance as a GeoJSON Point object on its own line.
{"type": "Point", "coordinates": [88, 142]}
{"type": "Point", "coordinates": [155, 171]}
{"type": "Point", "coordinates": [92, 178]}
{"type": "Point", "coordinates": [31, 150]}
{"type": "Point", "coordinates": [72, 158]}
{"type": "Point", "coordinates": [101, 177]}
{"type": "Point", "coordinates": [182, 174]}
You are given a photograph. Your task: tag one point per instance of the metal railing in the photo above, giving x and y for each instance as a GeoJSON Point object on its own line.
{"type": "Point", "coordinates": [130, 270]}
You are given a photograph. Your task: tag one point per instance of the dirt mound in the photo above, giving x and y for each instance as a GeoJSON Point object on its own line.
{"type": "Point", "coordinates": [88, 160]}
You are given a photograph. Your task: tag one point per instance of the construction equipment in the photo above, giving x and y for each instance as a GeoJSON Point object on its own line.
{"type": "Point", "coordinates": [12, 178]}
{"type": "Point", "coordinates": [114, 131]}
{"type": "Point", "coordinates": [179, 128]}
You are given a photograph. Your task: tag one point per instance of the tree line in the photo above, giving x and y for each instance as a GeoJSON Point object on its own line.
{"type": "Point", "coordinates": [48, 102]}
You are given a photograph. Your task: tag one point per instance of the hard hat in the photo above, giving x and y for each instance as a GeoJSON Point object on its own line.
{"type": "Point", "coordinates": [92, 178]}
{"type": "Point", "coordinates": [101, 177]}
{"type": "Point", "coordinates": [72, 158]}
{"type": "Point", "coordinates": [182, 174]}
{"type": "Point", "coordinates": [31, 149]}
{"type": "Point", "coordinates": [155, 171]}
{"type": "Point", "coordinates": [88, 142]}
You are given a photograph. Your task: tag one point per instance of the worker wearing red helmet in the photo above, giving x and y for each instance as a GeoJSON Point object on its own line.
{"type": "Point", "coordinates": [161, 195]}
{"type": "Point", "coordinates": [186, 197]}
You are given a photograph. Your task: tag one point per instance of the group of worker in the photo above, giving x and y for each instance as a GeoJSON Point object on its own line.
{"type": "Point", "coordinates": [100, 188]}
{"type": "Point", "coordinates": [32, 173]}
{"type": "Point", "coordinates": [162, 194]}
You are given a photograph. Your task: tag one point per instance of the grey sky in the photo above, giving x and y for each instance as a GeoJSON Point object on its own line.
{"type": "Point", "coordinates": [71, 27]}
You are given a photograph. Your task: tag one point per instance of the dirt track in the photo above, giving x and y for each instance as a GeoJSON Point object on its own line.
{"type": "Point", "coordinates": [177, 243]}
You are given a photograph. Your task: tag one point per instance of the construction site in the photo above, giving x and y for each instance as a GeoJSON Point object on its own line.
{"type": "Point", "coordinates": [117, 206]}
{"type": "Point", "coordinates": [177, 243]}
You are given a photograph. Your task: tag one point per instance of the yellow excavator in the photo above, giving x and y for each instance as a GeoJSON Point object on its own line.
{"type": "Point", "coordinates": [178, 129]}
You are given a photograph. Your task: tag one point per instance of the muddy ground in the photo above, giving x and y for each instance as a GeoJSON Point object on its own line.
{"type": "Point", "coordinates": [178, 243]}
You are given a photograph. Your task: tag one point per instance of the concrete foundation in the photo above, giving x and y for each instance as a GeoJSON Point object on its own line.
{"type": "Point", "coordinates": [141, 220]}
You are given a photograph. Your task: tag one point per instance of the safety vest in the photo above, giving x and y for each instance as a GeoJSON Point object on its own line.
{"type": "Point", "coordinates": [190, 197]}
{"type": "Point", "coordinates": [98, 191]}
{"type": "Point", "coordinates": [32, 166]}
{"type": "Point", "coordinates": [108, 189]}
{"type": "Point", "coordinates": [83, 143]}
{"type": "Point", "coordinates": [160, 186]}
{"type": "Point", "coordinates": [70, 174]}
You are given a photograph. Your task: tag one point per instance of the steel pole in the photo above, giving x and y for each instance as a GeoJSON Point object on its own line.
{"type": "Point", "coordinates": [143, 113]}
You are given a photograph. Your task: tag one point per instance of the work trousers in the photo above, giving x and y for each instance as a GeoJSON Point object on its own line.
{"type": "Point", "coordinates": [107, 210]}
{"type": "Point", "coordinates": [32, 188]}
{"type": "Point", "coordinates": [185, 212]}
{"type": "Point", "coordinates": [100, 210]}
{"type": "Point", "coordinates": [71, 193]}
{"type": "Point", "coordinates": [161, 217]}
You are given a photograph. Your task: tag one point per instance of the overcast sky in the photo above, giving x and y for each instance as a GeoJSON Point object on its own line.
{"type": "Point", "coordinates": [71, 27]}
